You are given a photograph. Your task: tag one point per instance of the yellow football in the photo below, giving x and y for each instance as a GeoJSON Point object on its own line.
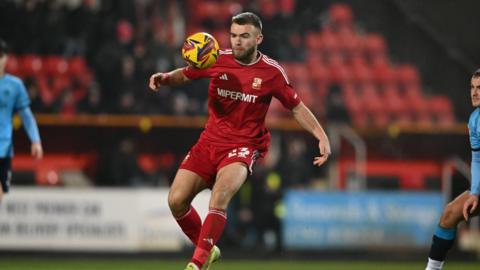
{"type": "Point", "coordinates": [200, 50]}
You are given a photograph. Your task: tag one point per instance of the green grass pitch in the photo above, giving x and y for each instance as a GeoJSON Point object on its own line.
{"type": "Point", "coordinates": [152, 264]}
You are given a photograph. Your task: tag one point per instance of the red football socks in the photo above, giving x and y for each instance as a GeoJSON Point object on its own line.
{"type": "Point", "coordinates": [191, 224]}
{"type": "Point", "coordinates": [211, 231]}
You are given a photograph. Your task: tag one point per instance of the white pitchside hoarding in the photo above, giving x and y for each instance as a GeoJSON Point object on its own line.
{"type": "Point", "coordinates": [91, 219]}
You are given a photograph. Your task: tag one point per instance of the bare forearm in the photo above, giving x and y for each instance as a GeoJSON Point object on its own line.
{"type": "Point", "coordinates": [172, 78]}
{"type": "Point", "coordinates": [309, 122]}
{"type": "Point", "coordinates": [176, 77]}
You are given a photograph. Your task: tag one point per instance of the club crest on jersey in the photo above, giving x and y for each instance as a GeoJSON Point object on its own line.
{"type": "Point", "coordinates": [257, 83]}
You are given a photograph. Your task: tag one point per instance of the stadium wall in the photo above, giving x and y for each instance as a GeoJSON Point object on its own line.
{"type": "Point", "coordinates": [125, 220]}
{"type": "Point", "coordinates": [108, 220]}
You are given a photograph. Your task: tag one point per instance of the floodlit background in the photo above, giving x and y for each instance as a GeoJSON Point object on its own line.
{"type": "Point", "coordinates": [388, 79]}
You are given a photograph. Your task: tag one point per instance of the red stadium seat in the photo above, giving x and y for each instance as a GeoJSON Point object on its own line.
{"type": "Point", "coordinates": [31, 65]}
{"type": "Point", "coordinates": [313, 41]}
{"type": "Point", "coordinates": [416, 102]}
{"type": "Point", "coordinates": [359, 119]}
{"type": "Point", "coordinates": [320, 75]}
{"type": "Point", "coordinates": [349, 91]}
{"type": "Point", "coordinates": [424, 120]}
{"type": "Point", "coordinates": [381, 61]}
{"type": "Point", "coordinates": [440, 104]}
{"type": "Point", "coordinates": [77, 66]}
{"type": "Point", "coordinates": [55, 65]}
{"type": "Point", "coordinates": [350, 44]}
{"type": "Point", "coordinates": [314, 59]}
{"type": "Point", "coordinates": [341, 15]}
{"type": "Point", "coordinates": [358, 60]}
{"type": "Point", "coordinates": [442, 110]}
{"type": "Point", "coordinates": [304, 90]}
{"type": "Point", "coordinates": [355, 105]}
{"type": "Point", "coordinates": [380, 120]}
{"type": "Point", "coordinates": [223, 38]}
{"type": "Point", "coordinates": [375, 47]}
{"type": "Point", "coordinates": [13, 66]}
{"type": "Point", "coordinates": [151, 163]}
{"type": "Point", "coordinates": [297, 72]}
{"type": "Point", "coordinates": [79, 70]}
{"type": "Point", "coordinates": [340, 74]}
{"type": "Point", "coordinates": [446, 120]}
{"type": "Point", "coordinates": [48, 170]}
{"type": "Point", "coordinates": [60, 84]}
{"type": "Point", "coordinates": [205, 10]}
{"type": "Point", "coordinates": [276, 110]}
{"type": "Point", "coordinates": [412, 174]}
{"type": "Point", "coordinates": [335, 60]}
{"type": "Point", "coordinates": [227, 9]}
{"type": "Point", "coordinates": [329, 42]}
{"type": "Point", "coordinates": [269, 8]}
{"type": "Point", "coordinates": [375, 43]}
{"type": "Point", "coordinates": [408, 75]}
{"type": "Point", "coordinates": [148, 163]}
{"type": "Point", "coordinates": [46, 93]}
{"type": "Point", "coordinates": [371, 99]}
{"type": "Point", "coordinates": [320, 90]}
{"type": "Point", "coordinates": [383, 73]}
{"type": "Point", "coordinates": [191, 29]}
{"type": "Point", "coordinates": [404, 119]}
{"type": "Point", "coordinates": [412, 91]}
{"type": "Point", "coordinates": [395, 104]}
{"type": "Point", "coordinates": [362, 74]}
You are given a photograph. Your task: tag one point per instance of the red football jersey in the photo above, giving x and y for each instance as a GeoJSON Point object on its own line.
{"type": "Point", "coordinates": [238, 99]}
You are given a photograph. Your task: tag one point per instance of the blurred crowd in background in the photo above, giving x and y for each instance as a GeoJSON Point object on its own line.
{"type": "Point", "coordinates": [95, 56]}
{"type": "Point", "coordinates": [123, 43]}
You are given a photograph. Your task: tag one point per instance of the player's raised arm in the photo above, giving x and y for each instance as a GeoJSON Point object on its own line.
{"type": "Point", "coordinates": [308, 121]}
{"type": "Point", "coordinates": [172, 78]}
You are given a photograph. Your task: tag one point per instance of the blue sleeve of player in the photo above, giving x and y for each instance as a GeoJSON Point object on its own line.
{"type": "Point", "coordinates": [22, 101]}
{"type": "Point", "coordinates": [30, 124]}
{"type": "Point", "coordinates": [474, 132]}
{"type": "Point", "coordinates": [475, 187]}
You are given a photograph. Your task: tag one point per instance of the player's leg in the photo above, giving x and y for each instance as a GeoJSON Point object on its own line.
{"type": "Point", "coordinates": [1, 193]}
{"type": "Point", "coordinates": [229, 180]}
{"type": "Point", "coordinates": [445, 233]}
{"type": "Point", "coordinates": [185, 187]}
{"type": "Point", "coordinates": [5, 176]}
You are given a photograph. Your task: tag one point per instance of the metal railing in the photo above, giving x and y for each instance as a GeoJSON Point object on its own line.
{"type": "Point", "coordinates": [357, 181]}
{"type": "Point", "coordinates": [452, 165]}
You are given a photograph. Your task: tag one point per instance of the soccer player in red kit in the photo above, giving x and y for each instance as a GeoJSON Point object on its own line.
{"type": "Point", "coordinates": [242, 84]}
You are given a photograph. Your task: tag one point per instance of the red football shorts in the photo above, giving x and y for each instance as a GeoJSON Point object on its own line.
{"type": "Point", "coordinates": [206, 159]}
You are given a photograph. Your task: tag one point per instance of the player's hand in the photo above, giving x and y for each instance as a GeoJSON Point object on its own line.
{"type": "Point", "coordinates": [470, 205]}
{"type": "Point", "coordinates": [157, 80]}
{"type": "Point", "coordinates": [37, 150]}
{"type": "Point", "coordinates": [324, 146]}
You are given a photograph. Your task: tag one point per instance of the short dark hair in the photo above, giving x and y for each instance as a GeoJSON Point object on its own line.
{"type": "Point", "coordinates": [3, 47]}
{"type": "Point", "coordinates": [247, 18]}
{"type": "Point", "coordinates": [476, 73]}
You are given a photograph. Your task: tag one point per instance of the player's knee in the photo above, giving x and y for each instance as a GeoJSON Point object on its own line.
{"type": "Point", "coordinates": [177, 204]}
{"type": "Point", "coordinates": [449, 217]}
{"type": "Point", "coordinates": [219, 200]}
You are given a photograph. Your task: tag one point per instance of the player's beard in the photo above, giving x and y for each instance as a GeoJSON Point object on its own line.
{"type": "Point", "coordinates": [475, 102]}
{"type": "Point", "coordinates": [245, 57]}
